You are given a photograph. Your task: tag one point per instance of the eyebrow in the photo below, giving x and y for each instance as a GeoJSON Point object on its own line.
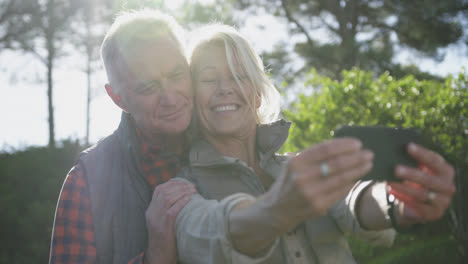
{"type": "Point", "coordinates": [177, 67]}
{"type": "Point", "coordinates": [144, 84]}
{"type": "Point", "coordinates": [207, 67]}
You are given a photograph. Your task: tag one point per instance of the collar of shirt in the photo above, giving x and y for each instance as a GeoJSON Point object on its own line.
{"type": "Point", "coordinates": [157, 164]}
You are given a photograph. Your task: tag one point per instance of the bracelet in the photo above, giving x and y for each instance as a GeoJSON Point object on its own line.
{"type": "Point", "coordinates": [398, 228]}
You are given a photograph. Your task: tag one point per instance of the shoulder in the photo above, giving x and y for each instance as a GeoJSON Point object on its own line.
{"type": "Point", "coordinates": [73, 223]}
{"type": "Point", "coordinates": [102, 145]}
{"type": "Point", "coordinates": [96, 161]}
{"type": "Point", "coordinates": [76, 177]}
{"type": "Point", "coordinates": [75, 184]}
{"type": "Point", "coordinates": [74, 200]}
{"type": "Point", "coordinates": [186, 173]}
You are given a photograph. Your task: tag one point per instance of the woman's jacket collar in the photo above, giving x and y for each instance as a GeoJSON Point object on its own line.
{"type": "Point", "coordinates": [270, 138]}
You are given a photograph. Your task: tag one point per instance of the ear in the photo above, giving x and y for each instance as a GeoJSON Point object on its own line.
{"type": "Point", "coordinates": [258, 101]}
{"type": "Point", "coordinates": [115, 97]}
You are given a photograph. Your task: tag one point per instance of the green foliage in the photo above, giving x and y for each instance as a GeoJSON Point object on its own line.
{"type": "Point", "coordinates": [30, 185]}
{"type": "Point", "coordinates": [438, 108]}
{"type": "Point", "coordinates": [408, 249]}
{"type": "Point", "coordinates": [338, 35]}
{"type": "Point", "coordinates": [17, 23]}
{"type": "Point", "coordinates": [359, 98]}
{"type": "Point", "coordinates": [198, 13]}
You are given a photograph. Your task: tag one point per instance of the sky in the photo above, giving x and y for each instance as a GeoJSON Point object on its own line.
{"type": "Point", "coordinates": [24, 109]}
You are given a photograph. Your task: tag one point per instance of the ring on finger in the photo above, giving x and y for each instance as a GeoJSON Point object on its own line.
{"type": "Point", "coordinates": [430, 197]}
{"type": "Point", "coordinates": [324, 169]}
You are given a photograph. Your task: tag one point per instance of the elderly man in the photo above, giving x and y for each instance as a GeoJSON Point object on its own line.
{"type": "Point", "coordinates": [109, 209]}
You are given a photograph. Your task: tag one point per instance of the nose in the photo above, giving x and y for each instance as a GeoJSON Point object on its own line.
{"type": "Point", "coordinates": [225, 87]}
{"type": "Point", "coordinates": [167, 94]}
{"type": "Point", "coordinates": [168, 97]}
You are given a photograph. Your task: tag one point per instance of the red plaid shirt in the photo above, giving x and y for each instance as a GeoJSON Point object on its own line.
{"type": "Point", "coordinates": [73, 233]}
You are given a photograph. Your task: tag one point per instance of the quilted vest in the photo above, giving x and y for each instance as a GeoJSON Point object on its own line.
{"type": "Point", "coordinates": [119, 194]}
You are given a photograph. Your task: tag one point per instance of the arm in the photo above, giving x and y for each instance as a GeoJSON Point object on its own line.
{"type": "Point", "coordinates": [242, 229]}
{"type": "Point", "coordinates": [73, 234]}
{"type": "Point", "coordinates": [371, 208]}
{"type": "Point", "coordinates": [71, 244]}
{"type": "Point", "coordinates": [301, 193]}
{"type": "Point", "coordinates": [202, 232]}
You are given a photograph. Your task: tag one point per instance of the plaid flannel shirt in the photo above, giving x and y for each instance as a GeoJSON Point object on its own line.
{"type": "Point", "coordinates": [73, 233]}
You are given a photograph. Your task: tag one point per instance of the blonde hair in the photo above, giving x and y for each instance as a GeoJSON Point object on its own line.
{"type": "Point", "coordinates": [239, 50]}
{"type": "Point", "coordinates": [129, 30]}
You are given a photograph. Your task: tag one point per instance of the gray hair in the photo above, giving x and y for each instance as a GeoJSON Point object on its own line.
{"type": "Point", "coordinates": [131, 28]}
{"type": "Point", "coordinates": [239, 50]}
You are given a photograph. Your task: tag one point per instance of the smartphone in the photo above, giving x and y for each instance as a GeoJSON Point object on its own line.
{"type": "Point", "coordinates": [389, 146]}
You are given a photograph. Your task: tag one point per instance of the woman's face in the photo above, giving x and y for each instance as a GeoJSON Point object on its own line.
{"type": "Point", "coordinates": [222, 109]}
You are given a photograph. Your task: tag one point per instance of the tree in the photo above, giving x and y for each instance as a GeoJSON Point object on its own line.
{"type": "Point", "coordinates": [438, 108]}
{"type": "Point", "coordinates": [52, 29]}
{"type": "Point", "coordinates": [91, 54]}
{"type": "Point", "coordinates": [341, 34]}
{"type": "Point", "coordinates": [89, 29]}
{"type": "Point", "coordinates": [40, 28]}
{"type": "Point", "coordinates": [17, 20]}
{"type": "Point", "coordinates": [194, 13]}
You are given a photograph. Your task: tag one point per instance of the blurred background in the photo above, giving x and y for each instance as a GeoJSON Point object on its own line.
{"type": "Point", "coordinates": [336, 62]}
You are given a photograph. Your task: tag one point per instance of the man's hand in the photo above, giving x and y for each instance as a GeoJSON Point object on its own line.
{"type": "Point", "coordinates": [426, 192]}
{"type": "Point", "coordinates": [168, 199]}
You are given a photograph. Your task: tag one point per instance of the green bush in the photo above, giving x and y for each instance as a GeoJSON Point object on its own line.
{"type": "Point", "coordinates": [30, 184]}
{"type": "Point", "coordinates": [437, 107]}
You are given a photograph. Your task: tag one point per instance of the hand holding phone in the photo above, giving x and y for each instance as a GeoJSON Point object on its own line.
{"type": "Point", "coordinates": [389, 146]}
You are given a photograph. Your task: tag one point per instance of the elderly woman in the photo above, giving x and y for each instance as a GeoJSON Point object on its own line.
{"type": "Point", "coordinates": [256, 206]}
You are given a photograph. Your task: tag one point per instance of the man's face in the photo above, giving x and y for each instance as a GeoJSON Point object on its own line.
{"type": "Point", "coordinates": [157, 91]}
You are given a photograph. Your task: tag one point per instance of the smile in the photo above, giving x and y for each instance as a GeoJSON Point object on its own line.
{"type": "Point", "coordinates": [173, 114]}
{"type": "Point", "coordinates": [223, 108]}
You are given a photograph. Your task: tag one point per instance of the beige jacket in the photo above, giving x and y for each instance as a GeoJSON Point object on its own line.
{"type": "Point", "coordinates": [202, 226]}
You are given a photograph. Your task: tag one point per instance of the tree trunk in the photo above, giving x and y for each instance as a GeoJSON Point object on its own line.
{"type": "Point", "coordinates": [88, 99]}
{"type": "Point", "coordinates": [49, 31]}
{"type": "Point", "coordinates": [347, 19]}
{"type": "Point", "coordinates": [89, 56]}
{"type": "Point", "coordinates": [50, 67]}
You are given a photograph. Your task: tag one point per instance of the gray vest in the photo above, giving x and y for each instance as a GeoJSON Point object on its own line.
{"type": "Point", "coordinates": [119, 194]}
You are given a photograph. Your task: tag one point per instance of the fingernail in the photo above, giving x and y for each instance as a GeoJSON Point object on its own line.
{"type": "Point", "coordinates": [356, 143]}
{"type": "Point", "coordinates": [412, 147]}
{"type": "Point", "coordinates": [368, 155]}
{"type": "Point", "coordinates": [400, 170]}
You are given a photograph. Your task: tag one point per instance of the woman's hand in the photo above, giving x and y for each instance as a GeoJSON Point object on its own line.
{"type": "Point", "coordinates": [426, 192]}
{"type": "Point", "coordinates": [315, 180]}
